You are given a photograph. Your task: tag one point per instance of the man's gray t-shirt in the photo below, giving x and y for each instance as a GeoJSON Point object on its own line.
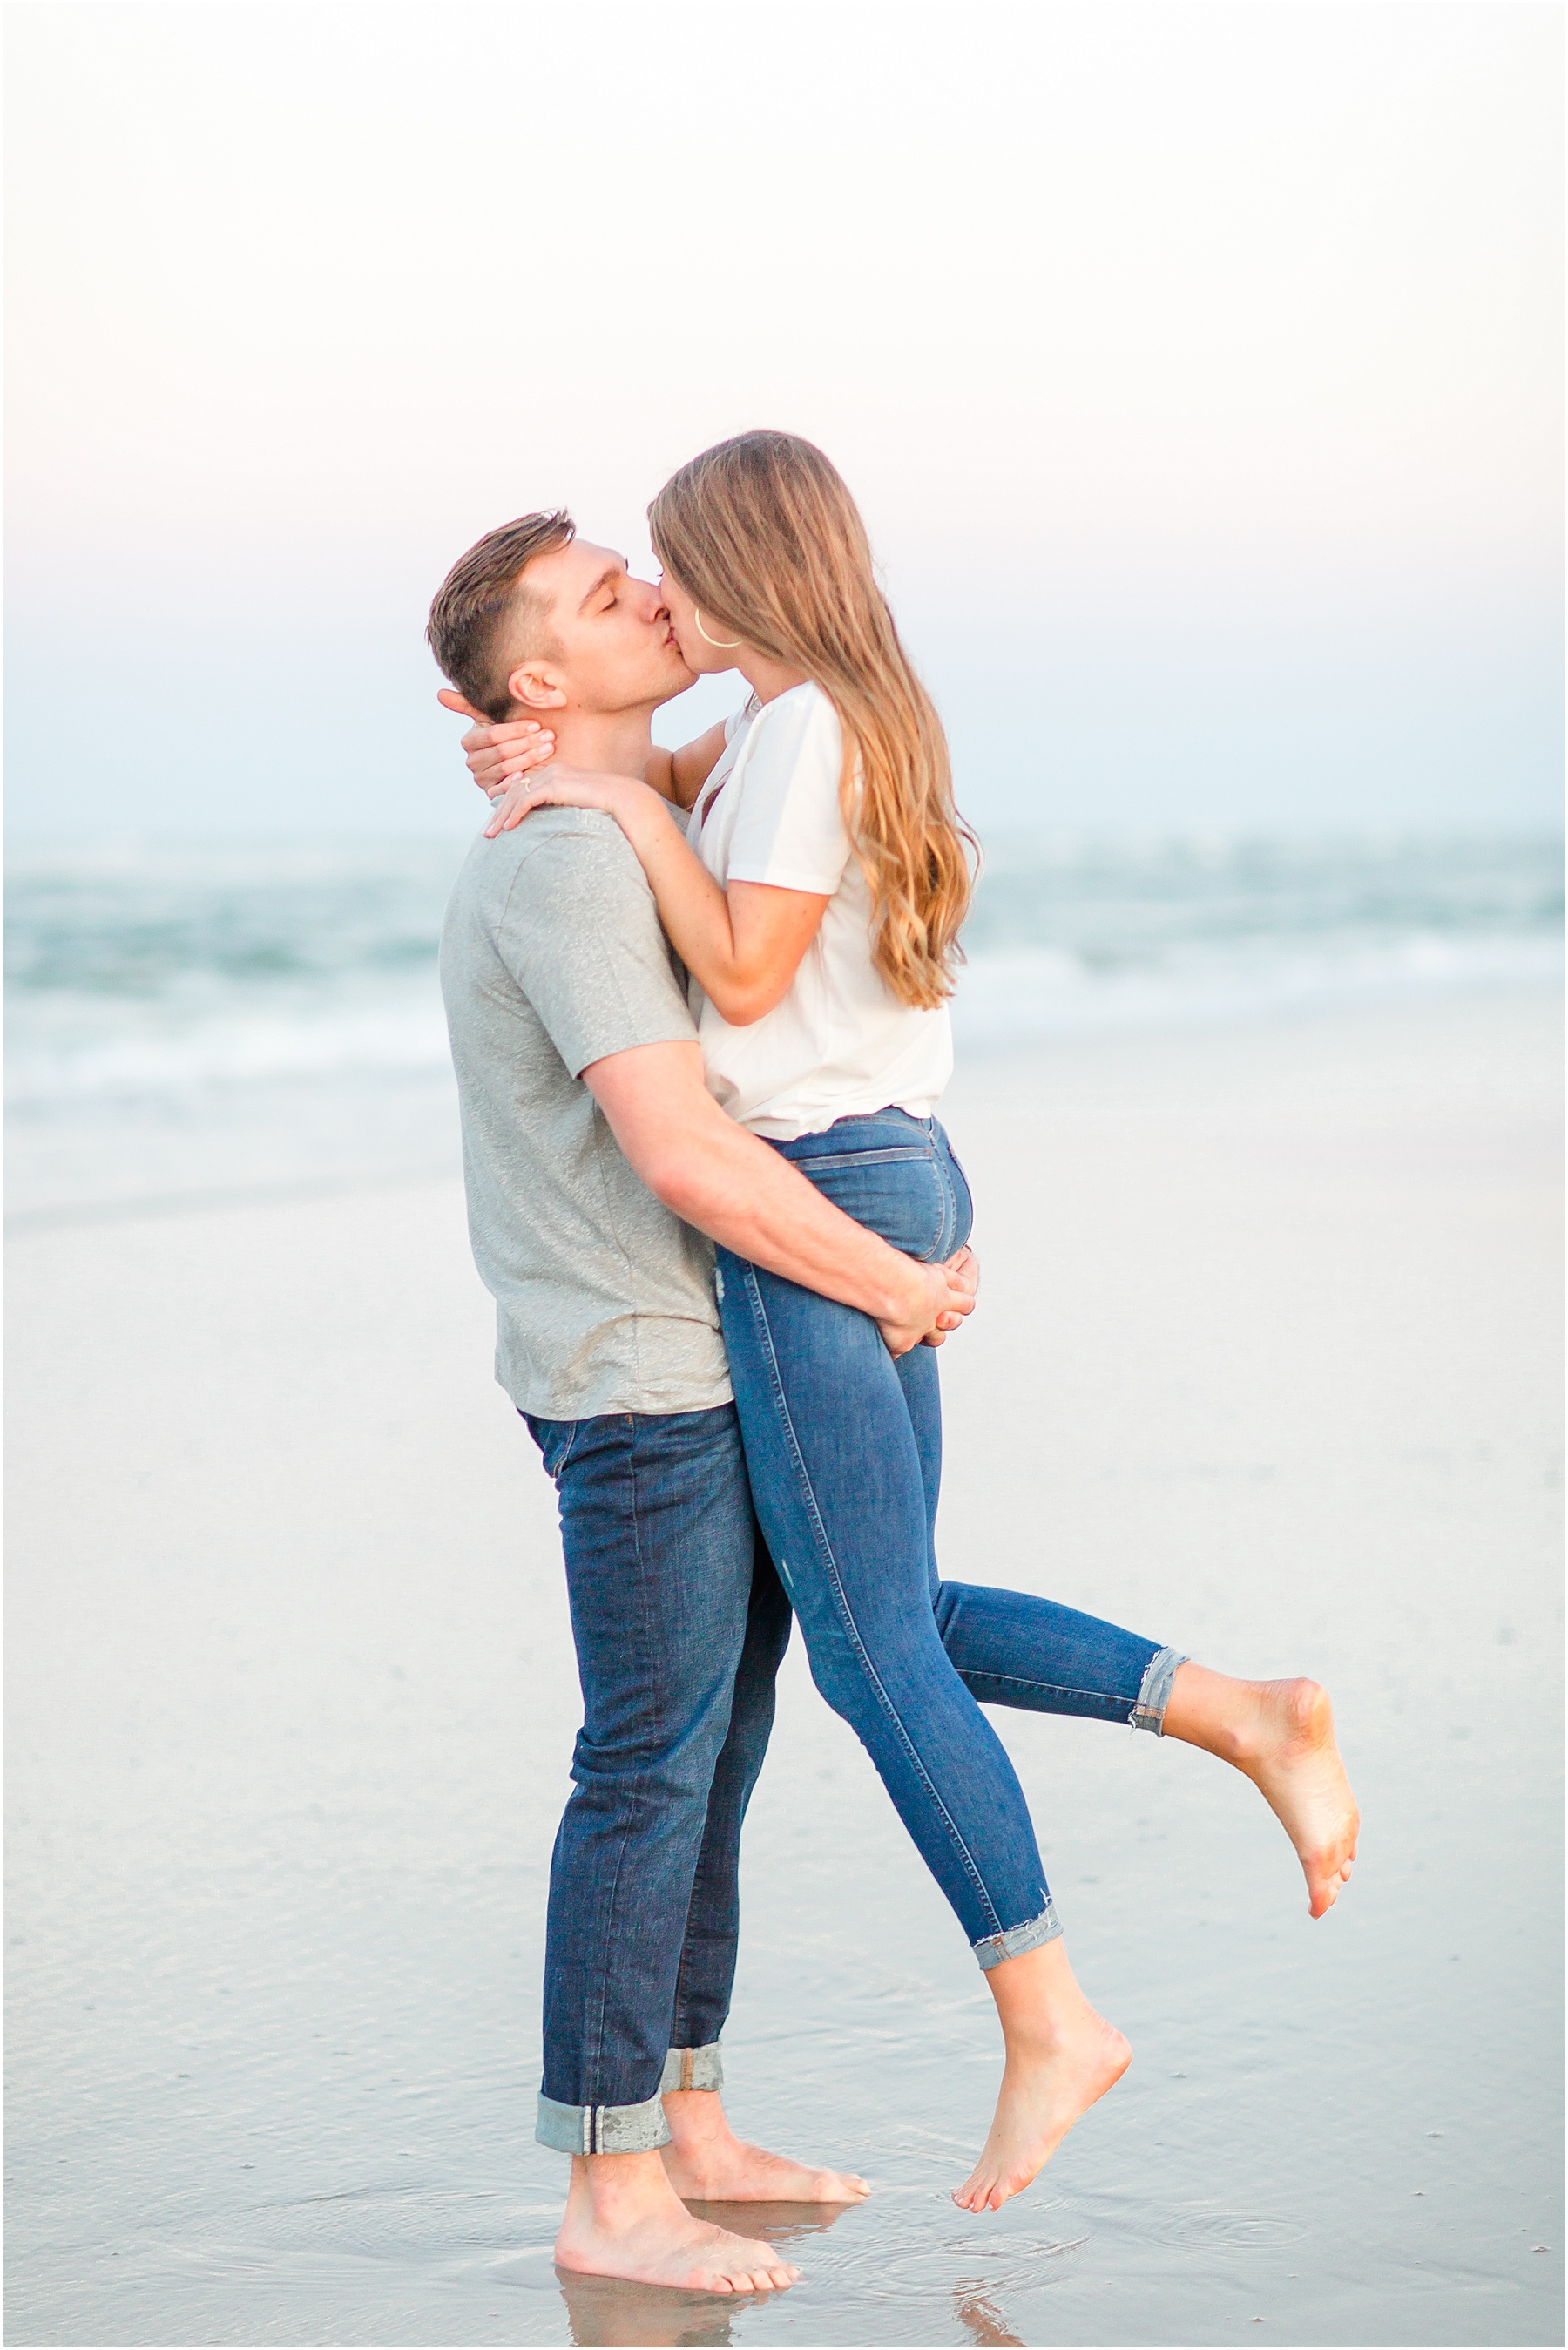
{"type": "Point", "coordinates": [552, 956]}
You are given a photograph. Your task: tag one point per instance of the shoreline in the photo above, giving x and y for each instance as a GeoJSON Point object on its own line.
{"type": "Point", "coordinates": [416, 1096]}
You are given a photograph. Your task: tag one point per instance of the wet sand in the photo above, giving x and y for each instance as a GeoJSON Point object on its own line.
{"type": "Point", "coordinates": [1266, 1369]}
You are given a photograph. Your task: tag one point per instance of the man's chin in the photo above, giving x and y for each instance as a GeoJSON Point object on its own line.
{"type": "Point", "coordinates": [681, 678]}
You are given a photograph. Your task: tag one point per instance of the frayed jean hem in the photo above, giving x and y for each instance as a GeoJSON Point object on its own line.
{"type": "Point", "coordinates": [602, 2129]}
{"type": "Point", "coordinates": [1154, 1696]}
{"type": "Point", "coordinates": [1016, 1939]}
{"type": "Point", "coordinates": [693, 2068]}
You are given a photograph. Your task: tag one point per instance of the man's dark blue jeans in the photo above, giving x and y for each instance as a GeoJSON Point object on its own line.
{"type": "Point", "coordinates": [680, 1624]}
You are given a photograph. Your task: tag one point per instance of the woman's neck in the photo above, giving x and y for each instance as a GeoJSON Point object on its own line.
{"type": "Point", "coordinates": [768, 679]}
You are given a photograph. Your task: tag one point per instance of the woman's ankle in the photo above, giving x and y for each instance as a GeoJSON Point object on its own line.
{"type": "Point", "coordinates": [1038, 1997]}
{"type": "Point", "coordinates": [1213, 1711]}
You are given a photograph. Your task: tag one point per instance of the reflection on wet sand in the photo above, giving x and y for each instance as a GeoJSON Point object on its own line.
{"type": "Point", "coordinates": [780, 2224]}
{"type": "Point", "coordinates": [983, 2322]}
{"type": "Point", "coordinates": [608, 2310]}
{"type": "Point", "coordinates": [603, 2311]}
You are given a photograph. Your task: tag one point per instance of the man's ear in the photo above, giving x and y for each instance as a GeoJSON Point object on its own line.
{"type": "Point", "coordinates": [538, 686]}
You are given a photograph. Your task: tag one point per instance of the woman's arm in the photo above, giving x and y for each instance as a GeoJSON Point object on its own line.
{"type": "Point", "coordinates": [691, 766]}
{"type": "Point", "coordinates": [742, 945]}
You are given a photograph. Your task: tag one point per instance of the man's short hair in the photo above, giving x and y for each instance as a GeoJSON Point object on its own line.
{"type": "Point", "coordinates": [483, 623]}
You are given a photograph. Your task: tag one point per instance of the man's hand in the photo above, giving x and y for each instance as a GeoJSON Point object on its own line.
{"type": "Point", "coordinates": [497, 753]}
{"type": "Point", "coordinates": [963, 1267]}
{"type": "Point", "coordinates": [946, 1294]}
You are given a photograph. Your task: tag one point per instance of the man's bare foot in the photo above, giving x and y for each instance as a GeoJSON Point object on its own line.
{"type": "Point", "coordinates": [1062, 2057]}
{"type": "Point", "coordinates": [705, 2162]}
{"type": "Point", "coordinates": [1281, 1734]}
{"type": "Point", "coordinates": [625, 2219]}
{"type": "Point", "coordinates": [686, 2252]}
{"type": "Point", "coordinates": [751, 2175]}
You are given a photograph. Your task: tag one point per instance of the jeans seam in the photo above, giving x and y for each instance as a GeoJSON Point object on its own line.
{"type": "Point", "coordinates": [952, 1167]}
{"type": "Point", "coordinates": [678, 2006]}
{"type": "Point", "coordinates": [846, 1613]}
{"type": "Point", "coordinates": [678, 2016]}
{"type": "Point", "coordinates": [594, 2034]}
{"type": "Point", "coordinates": [946, 1222]}
{"type": "Point", "coordinates": [949, 1217]}
{"type": "Point", "coordinates": [1056, 1689]}
{"type": "Point", "coordinates": [935, 1252]}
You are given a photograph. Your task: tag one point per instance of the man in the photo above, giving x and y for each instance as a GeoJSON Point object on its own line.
{"type": "Point", "coordinates": [599, 1169]}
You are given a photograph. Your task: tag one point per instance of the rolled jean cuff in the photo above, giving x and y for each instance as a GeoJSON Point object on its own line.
{"type": "Point", "coordinates": [693, 2068]}
{"type": "Point", "coordinates": [602, 2129]}
{"type": "Point", "coordinates": [1149, 1712]}
{"type": "Point", "coordinates": [1016, 1939]}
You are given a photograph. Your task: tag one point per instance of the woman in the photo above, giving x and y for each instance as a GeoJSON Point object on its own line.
{"type": "Point", "coordinates": [815, 893]}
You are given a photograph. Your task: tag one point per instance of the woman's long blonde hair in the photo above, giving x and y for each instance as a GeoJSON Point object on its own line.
{"type": "Point", "coordinates": [763, 535]}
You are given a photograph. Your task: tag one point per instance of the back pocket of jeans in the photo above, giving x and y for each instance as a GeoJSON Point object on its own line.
{"type": "Point", "coordinates": [831, 1162]}
{"type": "Point", "coordinates": [898, 1194]}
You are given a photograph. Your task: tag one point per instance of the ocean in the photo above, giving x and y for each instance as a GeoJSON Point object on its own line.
{"type": "Point", "coordinates": [189, 1020]}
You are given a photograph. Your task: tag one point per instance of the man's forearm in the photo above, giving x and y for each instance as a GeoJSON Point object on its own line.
{"type": "Point", "coordinates": [752, 1202]}
{"type": "Point", "coordinates": [715, 1175]}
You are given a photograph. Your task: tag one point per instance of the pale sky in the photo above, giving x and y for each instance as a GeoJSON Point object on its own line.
{"type": "Point", "coordinates": [1197, 368]}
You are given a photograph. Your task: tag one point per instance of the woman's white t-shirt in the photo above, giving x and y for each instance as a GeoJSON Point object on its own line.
{"type": "Point", "coordinates": [839, 1043]}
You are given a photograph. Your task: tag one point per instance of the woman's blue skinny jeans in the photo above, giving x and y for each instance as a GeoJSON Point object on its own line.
{"type": "Point", "coordinates": [844, 1452]}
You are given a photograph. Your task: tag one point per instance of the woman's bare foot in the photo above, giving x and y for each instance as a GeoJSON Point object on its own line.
{"type": "Point", "coordinates": [625, 2219]}
{"type": "Point", "coordinates": [1062, 2057]}
{"type": "Point", "coordinates": [705, 2162]}
{"type": "Point", "coordinates": [1296, 1767]}
{"type": "Point", "coordinates": [1281, 1735]}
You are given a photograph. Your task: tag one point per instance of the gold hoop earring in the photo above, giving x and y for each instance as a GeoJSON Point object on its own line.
{"type": "Point", "coordinates": [719, 644]}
